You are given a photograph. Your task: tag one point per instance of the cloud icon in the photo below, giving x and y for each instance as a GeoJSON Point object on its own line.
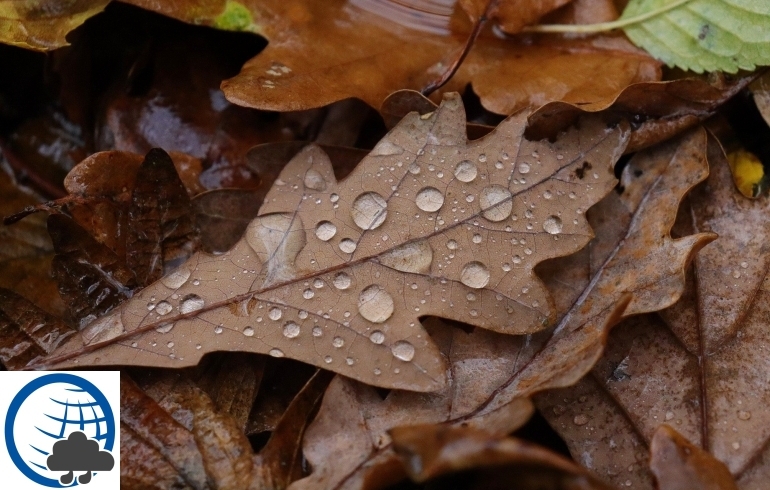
{"type": "Point", "coordinates": [79, 453]}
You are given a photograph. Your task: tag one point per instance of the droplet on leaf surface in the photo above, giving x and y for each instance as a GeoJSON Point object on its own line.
{"type": "Point", "coordinates": [375, 304]}
{"type": "Point", "coordinates": [369, 211]}
{"type": "Point", "coordinates": [466, 171]}
{"type": "Point", "coordinates": [496, 202]}
{"type": "Point", "coordinates": [403, 350]}
{"type": "Point", "coordinates": [190, 303]}
{"type": "Point", "coordinates": [429, 199]}
{"type": "Point", "coordinates": [553, 225]}
{"type": "Point", "coordinates": [475, 275]}
{"type": "Point", "coordinates": [325, 230]}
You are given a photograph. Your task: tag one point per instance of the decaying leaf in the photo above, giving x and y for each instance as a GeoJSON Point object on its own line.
{"type": "Point", "coordinates": [699, 366]}
{"type": "Point", "coordinates": [595, 287]}
{"type": "Point", "coordinates": [337, 274]}
{"type": "Point", "coordinates": [444, 454]}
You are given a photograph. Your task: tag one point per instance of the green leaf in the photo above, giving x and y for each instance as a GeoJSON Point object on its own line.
{"type": "Point", "coordinates": [703, 35]}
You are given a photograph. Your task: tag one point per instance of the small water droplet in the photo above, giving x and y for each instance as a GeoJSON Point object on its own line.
{"type": "Point", "coordinates": [338, 342]}
{"type": "Point", "coordinates": [737, 274]}
{"type": "Point", "coordinates": [369, 210]}
{"type": "Point", "coordinates": [275, 313]}
{"type": "Point", "coordinates": [385, 147]}
{"type": "Point", "coordinates": [547, 195]}
{"type": "Point", "coordinates": [176, 279]}
{"type": "Point", "coordinates": [403, 350]}
{"type": "Point", "coordinates": [466, 171]}
{"type": "Point", "coordinates": [317, 331]}
{"type": "Point", "coordinates": [308, 293]}
{"type": "Point", "coordinates": [218, 329]}
{"type": "Point", "coordinates": [496, 202]}
{"type": "Point", "coordinates": [170, 345]}
{"type": "Point", "coordinates": [429, 199]}
{"type": "Point", "coordinates": [328, 359]}
{"type": "Point", "coordinates": [325, 230]}
{"type": "Point", "coordinates": [669, 415]}
{"type": "Point", "coordinates": [190, 303]}
{"type": "Point", "coordinates": [134, 344]}
{"type": "Point", "coordinates": [572, 195]}
{"type": "Point", "coordinates": [476, 238]}
{"type": "Point", "coordinates": [451, 245]}
{"type": "Point", "coordinates": [276, 352]}
{"type": "Point", "coordinates": [377, 371]}
{"type": "Point", "coordinates": [198, 346]}
{"type": "Point", "coordinates": [291, 330]}
{"type": "Point", "coordinates": [164, 328]}
{"type": "Point", "coordinates": [377, 337]}
{"type": "Point", "coordinates": [475, 275]}
{"type": "Point", "coordinates": [196, 282]}
{"type": "Point", "coordinates": [342, 281]}
{"type": "Point", "coordinates": [163, 308]}
{"type": "Point", "coordinates": [348, 246]}
{"type": "Point", "coordinates": [314, 180]}
{"type": "Point", "coordinates": [744, 415]}
{"type": "Point", "coordinates": [744, 265]}
{"type": "Point", "coordinates": [349, 361]}
{"type": "Point", "coordinates": [553, 225]}
{"type": "Point", "coordinates": [524, 168]}
{"type": "Point", "coordinates": [580, 419]}
{"type": "Point", "coordinates": [375, 304]}
{"type": "Point", "coordinates": [736, 445]}
{"type": "Point", "coordinates": [507, 267]}
{"type": "Point", "coordinates": [302, 314]}
{"type": "Point", "coordinates": [248, 332]}
{"type": "Point", "coordinates": [499, 165]}
{"type": "Point", "coordinates": [516, 259]}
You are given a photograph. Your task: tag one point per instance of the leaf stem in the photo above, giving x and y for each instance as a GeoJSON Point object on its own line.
{"type": "Point", "coordinates": [604, 26]}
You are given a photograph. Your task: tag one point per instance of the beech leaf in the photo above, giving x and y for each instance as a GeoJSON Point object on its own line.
{"type": "Point", "coordinates": [337, 274]}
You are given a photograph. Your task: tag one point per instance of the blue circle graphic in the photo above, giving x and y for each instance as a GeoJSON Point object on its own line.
{"type": "Point", "coordinates": [31, 387]}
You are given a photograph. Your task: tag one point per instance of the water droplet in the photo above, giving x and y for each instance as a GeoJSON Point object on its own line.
{"type": "Point", "coordinates": [499, 165]}
{"type": "Point", "coordinates": [516, 259]}
{"type": "Point", "coordinates": [248, 332]}
{"type": "Point", "coordinates": [276, 352]}
{"type": "Point", "coordinates": [170, 345]}
{"type": "Point", "coordinates": [190, 303]}
{"type": "Point", "coordinates": [338, 342]}
{"type": "Point", "coordinates": [429, 199]}
{"type": "Point", "coordinates": [328, 359]}
{"type": "Point", "coordinates": [375, 304]}
{"type": "Point", "coordinates": [451, 245]}
{"type": "Point", "coordinates": [134, 344]}
{"type": "Point", "coordinates": [164, 328]}
{"type": "Point", "coordinates": [198, 346]}
{"type": "Point", "coordinates": [482, 158]}
{"type": "Point", "coordinates": [377, 337]}
{"type": "Point", "coordinates": [176, 279]}
{"type": "Point", "coordinates": [163, 308]}
{"type": "Point", "coordinates": [496, 202]}
{"type": "Point", "coordinates": [476, 238]}
{"type": "Point", "coordinates": [218, 329]}
{"type": "Point", "coordinates": [377, 371]}
{"type": "Point", "coordinates": [466, 171]}
{"type": "Point", "coordinates": [342, 281]}
{"type": "Point", "coordinates": [572, 195]}
{"type": "Point", "coordinates": [308, 293]}
{"type": "Point", "coordinates": [314, 180]}
{"type": "Point", "coordinates": [369, 210]}
{"type": "Point", "coordinates": [524, 168]}
{"type": "Point", "coordinates": [196, 282]}
{"type": "Point", "coordinates": [349, 361]}
{"type": "Point", "coordinates": [325, 230]}
{"type": "Point", "coordinates": [475, 275]}
{"type": "Point", "coordinates": [547, 195]}
{"type": "Point", "coordinates": [275, 313]}
{"type": "Point", "coordinates": [385, 147]}
{"type": "Point", "coordinates": [507, 267]}
{"type": "Point", "coordinates": [403, 350]}
{"type": "Point", "coordinates": [290, 330]}
{"type": "Point", "coordinates": [736, 445]}
{"type": "Point", "coordinates": [669, 415]}
{"type": "Point", "coordinates": [553, 225]}
{"type": "Point", "coordinates": [744, 265]}
{"type": "Point", "coordinates": [413, 257]}
{"type": "Point", "coordinates": [469, 198]}
{"type": "Point", "coordinates": [737, 274]}
{"type": "Point", "coordinates": [348, 246]}
{"type": "Point", "coordinates": [470, 297]}
{"type": "Point", "coordinates": [580, 419]}
{"type": "Point", "coordinates": [744, 415]}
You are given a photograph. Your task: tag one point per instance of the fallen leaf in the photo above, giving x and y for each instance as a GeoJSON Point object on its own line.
{"type": "Point", "coordinates": [443, 454]}
{"type": "Point", "coordinates": [222, 216]}
{"type": "Point", "coordinates": [313, 254]}
{"type": "Point", "coordinates": [348, 443]}
{"type": "Point", "coordinates": [760, 89]}
{"type": "Point", "coordinates": [679, 465]}
{"type": "Point", "coordinates": [700, 369]}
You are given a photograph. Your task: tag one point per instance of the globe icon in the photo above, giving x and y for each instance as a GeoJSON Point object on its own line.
{"type": "Point", "coordinates": [49, 409]}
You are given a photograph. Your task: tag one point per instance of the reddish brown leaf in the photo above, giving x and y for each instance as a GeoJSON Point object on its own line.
{"type": "Point", "coordinates": [223, 215]}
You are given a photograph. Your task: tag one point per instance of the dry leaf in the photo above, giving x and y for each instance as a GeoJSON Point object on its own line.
{"type": "Point", "coordinates": [700, 371]}
{"type": "Point", "coordinates": [490, 373]}
{"type": "Point", "coordinates": [760, 89]}
{"type": "Point", "coordinates": [679, 465]}
{"type": "Point", "coordinates": [337, 274]}
{"type": "Point", "coordinates": [444, 454]}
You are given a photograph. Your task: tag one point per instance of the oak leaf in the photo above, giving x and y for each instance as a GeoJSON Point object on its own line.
{"type": "Point", "coordinates": [632, 258]}
{"type": "Point", "coordinates": [337, 274]}
{"type": "Point", "coordinates": [698, 365]}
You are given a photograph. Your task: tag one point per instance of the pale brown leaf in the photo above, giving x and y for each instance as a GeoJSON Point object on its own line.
{"type": "Point", "coordinates": [337, 274]}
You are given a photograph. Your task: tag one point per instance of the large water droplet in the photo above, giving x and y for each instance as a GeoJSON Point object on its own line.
{"type": "Point", "coordinates": [342, 281]}
{"type": "Point", "coordinates": [403, 350]}
{"type": "Point", "coordinates": [275, 313]}
{"type": "Point", "coordinates": [176, 279]}
{"type": "Point", "coordinates": [325, 230]}
{"type": "Point", "coordinates": [375, 304]}
{"type": "Point", "coordinates": [165, 328]}
{"type": "Point", "coordinates": [314, 180]}
{"type": "Point", "coordinates": [496, 202]}
{"type": "Point", "coordinates": [248, 332]}
{"type": "Point", "coordinates": [429, 199]}
{"type": "Point", "coordinates": [385, 147]}
{"type": "Point", "coordinates": [475, 275]}
{"type": "Point", "coordinates": [348, 246]}
{"type": "Point", "coordinates": [524, 168]}
{"type": "Point", "coordinates": [190, 303]}
{"type": "Point", "coordinates": [552, 225]}
{"type": "Point", "coordinates": [377, 337]}
{"type": "Point", "coordinates": [369, 210]}
{"type": "Point", "coordinates": [291, 330]}
{"type": "Point", "coordinates": [163, 308]}
{"type": "Point", "coordinates": [412, 257]}
{"type": "Point", "coordinates": [276, 352]}
{"type": "Point", "coordinates": [466, 171]}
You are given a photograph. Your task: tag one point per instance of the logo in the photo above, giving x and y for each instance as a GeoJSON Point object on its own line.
{"type": "Point", "coordinates": [60, 429]}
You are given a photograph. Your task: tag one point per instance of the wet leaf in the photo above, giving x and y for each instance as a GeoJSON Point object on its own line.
{"type": "Point", "coordinates": [330, 273]}
{"type": "Point", "coordinates": [321, 53]}
{"type": "Point", "coordinates": [223, 215]}
{"type": "Point", "coordinates": [444, 454]}
{"type": "Point", "coordinates": [679, 465]}
{"type": "Point", "coordinates": [697, 365]}
{"type": "Point", "coordinates": [760, 89]}
{"type": "Point", "coordinates": [633, 265]}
